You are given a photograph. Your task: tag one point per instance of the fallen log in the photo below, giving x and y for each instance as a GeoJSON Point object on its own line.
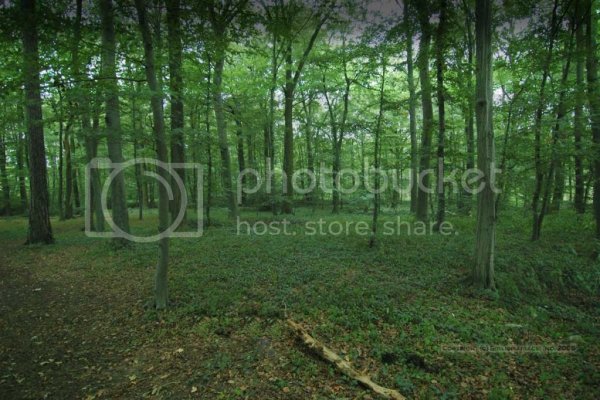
{"type": "Point", "coordinates": [343, 365]}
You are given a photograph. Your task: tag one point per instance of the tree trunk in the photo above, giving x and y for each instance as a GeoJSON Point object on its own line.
{"type": "Point", "coordinates": [483, 271]}
{"type": "Point", "coordinates": [5, 210]}
{"type": "Point", "coordinates": [441, 95]}
{"type": "Point", "coordinates": [222, 132]}
{"type": "Point", "coordinates": [113, 118]}
{"type": "Point", "coordinates": [414, 148]}
{"type": "Point", "coordinates": [469, 114]}
{"type": "Point", "coordinates": [176, 88]}
{"type": "Point", "coordinates": [209, 173]}
{"type": "Point", "coordinates": [288, 135]}
{"type": "Point", "coordinates": [160, 283]}
{"type": "Point", "coordinates": [377, 155]}
{"type": "Point", "coordinates": [423, 196]}
{"type": "Point", "coordinates": [240, 150]}
{"type": "Point", "coordinates": [594, 103]}
{"type": "Point", "coordinates": [539, 170]}
{"type": "Point", "coordinates": [40, 230]}
{"type": "Point", "coordinates": [22, 172]}
{"type": "Point", "coordinates": [579, 124]}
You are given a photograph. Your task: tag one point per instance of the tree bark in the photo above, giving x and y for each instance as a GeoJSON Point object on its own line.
{"type": "Point", "coordinates": [469, 114]}
{"type": "Point", "coordinates": [160, 283]}
{"type": "Point", "coordinates": [22, 172]}
{"type": "Point", "coordinates": [113, 118]}
{"type": "Point", "coordinates": [377, 155]}
{"type": "Point", "coordinates": [483, 270]}
{"type": "Point", "coordinates": [40, 230]}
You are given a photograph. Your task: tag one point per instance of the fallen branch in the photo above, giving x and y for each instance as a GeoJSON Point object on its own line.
{"type": "Point", "coordinates": [342, 364]}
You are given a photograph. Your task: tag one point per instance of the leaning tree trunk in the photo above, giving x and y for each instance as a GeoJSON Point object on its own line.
{"type": "Point", "coordinates": [176, 87]}
{"type": "Point", "coordinates": [113, 118]}
{"type": "Point", "coordinates": [483, 270]}
{"type": "Point", "coordinates": [160, 283]}
{"type": "Point", "coordinates": [40, 230]}
{"type": "Point", "coordinates": [423, 181]}
{"type": "Point", "coordinates": [594, 102]}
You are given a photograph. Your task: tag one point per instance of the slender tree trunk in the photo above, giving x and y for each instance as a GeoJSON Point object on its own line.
{"type": "Point", "coordinates": [440, 65]}
{"type": "Point", "coordinates": [40, 230]}
{"type": "Point", "coordinates": [5, 210]}
{"type": "Point", "coordinates": [269, 139]}
{"type": "Point", "coordinates": [61, 152]}
{"type": "Point", "coordinates": [160, 283]}
{"type": "Point", "coordinates": [539, 170]}
{"type": "Point", "coordinates": [469, 113]}
{"type": "Point", "coordinates": [176, 88]}
{"type": "Point", "coordinates": [222, 132]}
{"type": "Point", "coordinates": [113, 118]}
{"type": "Point", "coordinates": [579, 125]}
{"type": "Point", "coordinates": [288, 136]}
{"type": "Point", "coordinates": [240, 149]}
{"type": "Point", "coordinates": [483, 271]}
{"type": "Point", "coordinates": [22, 172]}
{"type": "Point", "coordinates": [310, 158]}
{"type": "Point", "coordinates": [209, 184]}
{"type": "Point", "coordinates": [414, 147]}
{"type": "Point", "coordinates": [594, 102]}
{"type": "Point", "coordinates": [377, 155]}
{"type": "Point", "coordinates": [423, 196]}
{"type": "Point", "coordinates": [69, 177]}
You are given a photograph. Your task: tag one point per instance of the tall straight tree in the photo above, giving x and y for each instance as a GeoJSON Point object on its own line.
{"type": "Point", "coordinates": [176, 89]}
{"type": "Point", "coordinates": [293, 72]}
{"type": "Point", "coordinates": [425, 157]}
{"type": "Point", "coordinates": [40, 230]}
{"type": "Point", "coordinates": [579, 126]}
{"type": "Point", "coordinates": [483, 270]}
{"type": "Point", "coordinates": [414, 147]}
{"type": "Point", "coordinates": [160, 283]}
{"type": "Point", "coordinates": [441, 102]}
{"type": "Point", "coordinates": [594, 100]}
{"type": "Point", "coordinates": [5, 210]}
{"type": "Point", "coordinates": [113, 117]}
{"type": "Point", "coordinates": [221, 16]}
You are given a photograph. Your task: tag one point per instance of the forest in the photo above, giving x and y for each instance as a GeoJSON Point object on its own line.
{"type": "Point", "coordinates": [299, 199]}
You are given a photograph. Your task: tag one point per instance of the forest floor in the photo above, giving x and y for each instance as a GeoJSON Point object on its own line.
{"type": "Point", "coordinates": [73, 322]}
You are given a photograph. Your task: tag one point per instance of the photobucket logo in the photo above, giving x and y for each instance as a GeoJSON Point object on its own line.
{"type": "Point", "coordinates": [173, 185]}
{"type": "Point", "coordinates": [305, 181]}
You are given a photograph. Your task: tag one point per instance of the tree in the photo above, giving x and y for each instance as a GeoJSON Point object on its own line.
{"type": "Point", "coordinates": [160, 282]}
{"type": "Point", "coordinates": [293, 72]}
{"type": "Point", "coordinates": [40, 230]}
{"type": "Point", "coordinates": [483, 270]}
{"type": "Point", "coordinates": [441, 101]}
{"type": "Point", "coordinates": [176, 88]}
{"type": "Point", "coordinates": [425, 156]}
{"type": "Point", "coordinates": [221, 17]}
{"type": "Point", "coordinates": [578, 126]}
{"type": "Point", "coordinates": [414, 147]}
{"type": "Point", "coordinates": [593, 93]}
{"type": "Point", "coordinates": [113, 117]}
